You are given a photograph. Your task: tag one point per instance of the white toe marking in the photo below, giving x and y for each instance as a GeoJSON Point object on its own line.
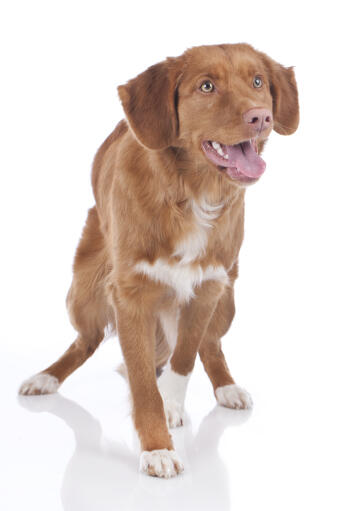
{"type": "Point", "coordinates": [41, 383]}
{"type": "Point", "coordinates": [174, 412]}
{"type": "Point", "coordinates": [233, 396]}
{"type": "Point", "coordinates": [173, 387]}
{"type": "Point", "coordinates": [161, 463]}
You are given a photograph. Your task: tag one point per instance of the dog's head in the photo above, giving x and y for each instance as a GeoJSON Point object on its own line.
{"type": "Point", "coordinates": [218, 103]}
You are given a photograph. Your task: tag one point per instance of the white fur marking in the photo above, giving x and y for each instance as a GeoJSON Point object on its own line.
{"type": "Point", "coordinates": [174, 413]}
{"type": "Point", "coordinates": [41, 383]}
{"type": "Point", "coordinates": [194, 244]}
{"type": "Point", "coordinates": [205, 213]}
{"type": "Point", "coordinates": [216, 273]}
{"type": "Point", "coordinates": [233, 396]}
{"type": "Point", "coordinates": [182, 278]}
{"type": "Point", "coordinates": [169, 323]}
{"type": "Point", "coordinates": [109, 331]}
{"type": "Point", "coordinates": [161, 463]}
{"type": "Point", "coordinates": [173, 388]}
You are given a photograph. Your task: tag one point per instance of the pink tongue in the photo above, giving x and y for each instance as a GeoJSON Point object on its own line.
{"type": "Point", "coordinates": [245, 159]}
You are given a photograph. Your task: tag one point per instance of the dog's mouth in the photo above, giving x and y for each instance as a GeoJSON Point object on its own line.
{"type": "Point", "coordinates": [240, 162]}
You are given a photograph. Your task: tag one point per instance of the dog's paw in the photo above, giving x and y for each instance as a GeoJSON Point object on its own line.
{"type": "Point", "coordinates": [41, 383]}
{"type": "Point", "coordinates": [174, 413]}
{"type": "Point", "coordinates": [233, 396]}
{"type": "Point", "coordinates": [161, 463]}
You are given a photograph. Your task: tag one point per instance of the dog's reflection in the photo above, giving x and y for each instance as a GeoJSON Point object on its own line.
{"type": "Point", "coordinates": [103, 474]}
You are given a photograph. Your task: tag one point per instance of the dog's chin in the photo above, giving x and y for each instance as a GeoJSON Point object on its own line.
{"type": "Point", "coordinates": [233, 175]}
{"type": "Point", "coordinates": [240, 163]}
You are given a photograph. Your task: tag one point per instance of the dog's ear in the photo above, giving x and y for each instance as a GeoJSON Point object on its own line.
{"type": "Point", "coordinates": [150, 102]}
{"type": "Point", "coordinates": [283, 88]}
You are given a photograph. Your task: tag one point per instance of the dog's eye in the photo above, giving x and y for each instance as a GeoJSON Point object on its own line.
{"type": "Point", "coordinates": [207, 86]}
{"type": "Point", "coordinates": [257, 82]}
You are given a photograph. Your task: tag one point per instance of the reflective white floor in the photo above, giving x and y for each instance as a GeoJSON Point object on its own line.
{"type": "Point", "coordinates": [77, 450]}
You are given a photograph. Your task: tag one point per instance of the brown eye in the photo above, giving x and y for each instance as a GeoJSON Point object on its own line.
{"type": "Point", "coordinates": [207, 86]}
{"type": "Point", "coordinates": [257, 82]}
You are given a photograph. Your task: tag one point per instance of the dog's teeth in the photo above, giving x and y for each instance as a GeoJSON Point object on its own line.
{"type": "Point", "coordinates": [219, 149]}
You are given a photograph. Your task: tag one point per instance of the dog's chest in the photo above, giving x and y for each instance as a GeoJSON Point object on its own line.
{"type": "Point", "coordinates": [183, 275]}
{"type": "Point", "coordinates": [193, 245]}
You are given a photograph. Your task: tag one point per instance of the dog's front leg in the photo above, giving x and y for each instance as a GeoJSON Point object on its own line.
{"type": "Point", "coordinates": [136, 330]}
{"type": "Point", "coordinates": [227, 392]}
{"type": "Point", "coordinates": [193, 322]}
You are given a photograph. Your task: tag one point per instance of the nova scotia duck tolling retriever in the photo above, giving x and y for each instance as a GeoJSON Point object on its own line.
{"type": "Point", "coordinates": [158, 256]}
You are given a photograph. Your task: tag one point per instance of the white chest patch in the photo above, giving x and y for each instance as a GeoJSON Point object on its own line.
{"type": "Point", "coordinates": [183, 278]}
{"type": "Point", "coordinates": [194, 244]}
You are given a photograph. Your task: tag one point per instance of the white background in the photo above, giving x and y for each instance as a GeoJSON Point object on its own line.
{"type": "Point", "coordinates": [60, 65]}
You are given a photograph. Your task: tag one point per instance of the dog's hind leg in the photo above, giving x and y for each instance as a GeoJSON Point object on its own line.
{"type": "Point", "coordinates": [49, 380]}
{"type": "Point", "coordinates": [88, 309]}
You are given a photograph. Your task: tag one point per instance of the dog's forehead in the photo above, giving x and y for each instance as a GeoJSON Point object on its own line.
{"type": "Point", "coordinates": [220, 61]}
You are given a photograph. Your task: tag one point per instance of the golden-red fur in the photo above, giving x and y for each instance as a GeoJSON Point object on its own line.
{"type": "Point", "coordinates": [145, 177]}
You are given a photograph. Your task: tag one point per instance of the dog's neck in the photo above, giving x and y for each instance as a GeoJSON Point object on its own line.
{"type": "Point", "coordinates": [190, 178]}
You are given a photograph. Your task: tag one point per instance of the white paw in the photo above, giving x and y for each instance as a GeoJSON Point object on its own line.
{"type": "Point", "coordinates": [174, 412]}
{"type": "Point", "coordinates": [172, 387]}
{"type": "Point", "coordinates": [41, 383]}
{"type": "Point", "coordinates": [233, 396]}
{"type": "Point", "coordinates": [161, 463]}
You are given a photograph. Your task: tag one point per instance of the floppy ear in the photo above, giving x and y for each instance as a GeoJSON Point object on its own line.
{"type": "Point", "coordinates": [149, 102]}
{"type": "Point", "coordinates": [284, 93]}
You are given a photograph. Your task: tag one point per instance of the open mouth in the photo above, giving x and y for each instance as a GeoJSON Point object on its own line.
{"type": "Point", "coordinates": [240, 162]}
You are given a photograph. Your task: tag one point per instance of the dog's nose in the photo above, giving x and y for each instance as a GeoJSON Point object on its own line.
{"type": "Point", "coordinates": [258, 118]}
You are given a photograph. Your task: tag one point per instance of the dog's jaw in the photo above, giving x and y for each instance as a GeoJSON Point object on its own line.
{"type": "Point", "coordinates": [241, 162]}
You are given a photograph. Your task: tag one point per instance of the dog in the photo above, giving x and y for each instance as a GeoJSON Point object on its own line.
{"type": "Point", "coordinates": [158, 256]}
